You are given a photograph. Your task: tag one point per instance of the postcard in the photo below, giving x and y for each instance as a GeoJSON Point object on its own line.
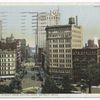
{"type": "Point", "coordinates": [49, 49]}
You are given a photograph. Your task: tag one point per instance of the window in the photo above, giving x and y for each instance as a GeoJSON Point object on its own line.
{"type": "Point", "coordinates": [8, 64]}
{"type": "Point", "coordinates": [49, 45]}
{"type": "Point", "coordinates": [61, 65]}
{"type": "Point", "coordinates": [68, 51]}
{"type": "Point", "coordinates": [55, 46]}
{"type": "Point", "coordinates": [61, 50]}
{"type": "Point", "coordinates": [55, 60]}
{"type": "Point", "coordinates": [61, 45]}
{"type": "Point", "coordinates": [8, 59]}
{"type": "Point", "coordinates": [68, 56]}
{"type": "Point", "coordinates": [68, 45]}
{"type": "Point", "coordinates": [50, 41]}
{"type": "Point", "coordinates": [68, 40]}
{"type": "Point", "coordinates": [4, 59]}
{"type": "Point", "coordinates": [55, 41]}
{"type": "Point", "coordinates": [68, 61]}
{"type": "Point", "coordinates": [61, 60]}
{"type": "Point", "coordinates": [55, 50]}
{"type": "Point", "coordinates": [61, 41]}
{"type": "Point", "coordinates": [50, 50]}
{"type": "Point", "coordinates": [4, 64]}
{"type": "Point", "coordinates": [55, 55]}
{"type": "Point", "coordinates": [12, 55]}
{"type": "Point", "coordinates": [61, 55]}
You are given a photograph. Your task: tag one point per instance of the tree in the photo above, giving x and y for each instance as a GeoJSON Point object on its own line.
{"type": "Point", "coordinates": [15, 85]}
{"type": "Point", "coordinates": [4, 89]}
{"type": "Point", "coordinates": [49, 86]}
{"type": "Point", "coordinates": [83, 86]}
{"type": "Point", "coordinates": [67, 86]}
{"type": "Point", "coordinates": [91, 74]}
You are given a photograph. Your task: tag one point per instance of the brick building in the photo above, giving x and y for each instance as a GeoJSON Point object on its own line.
{"type": "Point", "coordinates": [82, 58]}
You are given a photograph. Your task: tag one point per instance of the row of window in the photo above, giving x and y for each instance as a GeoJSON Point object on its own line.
{"type": "Point", "coordinates": [65, 30]}
{"type": "Point", "coordinates": [6, 55]}
{"type": "Point", "coordinates": [62, 50]}
{"type": "Point", "coordinates": [60, 55]}
{"type": "Point", "coordinates": [60, 35]}
{"type": "Point", "coordinates": [7, 64]}
{"type": "Point", "coordinates": [61, 71]}
{"type": "Point", "coordinates": [85, 52]}
{"type": "Point", "coordinates": [60, 40]}
{"type": "Point", "coordinates": [61, 45]}
{"type": "Point", "coordinates": [6, 72]}
{"type": "Point", "coordinates": [6, 68]}
{"type": "Point", "coordinates": [43, 18]}
{"type": "Point", "coordinates": [6, 60]}
{"type": "Point", "coordinates": [61, 61]}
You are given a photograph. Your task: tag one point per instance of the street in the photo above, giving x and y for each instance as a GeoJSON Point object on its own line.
{"type": "Point", "coordinates": [27, 80]}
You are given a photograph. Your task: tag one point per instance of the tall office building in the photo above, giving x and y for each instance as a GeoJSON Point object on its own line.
{"type": "Point", "coordinates": [60, 41]}
{"type": "Point", "coordinates": [44, 19]}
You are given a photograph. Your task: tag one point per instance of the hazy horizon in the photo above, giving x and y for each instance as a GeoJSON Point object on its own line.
{"type": "Point", "coordinates": [88, 18]}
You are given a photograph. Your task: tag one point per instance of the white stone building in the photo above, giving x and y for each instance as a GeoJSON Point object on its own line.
{"type": "Point", "coordinates": [46, 19]}
{"type": "Point", "coordinates": [7, 64]}
{"type": "Point", "coordinates": [61, 39]}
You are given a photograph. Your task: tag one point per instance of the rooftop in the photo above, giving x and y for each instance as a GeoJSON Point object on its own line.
{"type": "Point", "coordinates": [62, 26]}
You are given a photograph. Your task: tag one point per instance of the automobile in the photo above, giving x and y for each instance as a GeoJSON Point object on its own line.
{"type": "Point", "coordinates": [40, 78]}
{"type": "Point", "coordinates": [32, 69]}
{"type": "Point", "coordinates": [25, 72]}
{"type": "Point", "coordinates": [38, 74]}
{"type": "Point", "coordinates": [76, 92]}
{"type": "Point", "coordinates": [33, 77]}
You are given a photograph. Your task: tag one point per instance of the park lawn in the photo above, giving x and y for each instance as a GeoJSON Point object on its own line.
{"type": "Point", "coordinates": [94, 90]}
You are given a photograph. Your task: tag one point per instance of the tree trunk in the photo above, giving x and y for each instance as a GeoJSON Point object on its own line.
{"type": "Point", "coordinates": [89, 86]}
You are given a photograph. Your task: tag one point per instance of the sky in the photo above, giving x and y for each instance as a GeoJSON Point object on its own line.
{"type": "Point", "coordinates": [88, 18]}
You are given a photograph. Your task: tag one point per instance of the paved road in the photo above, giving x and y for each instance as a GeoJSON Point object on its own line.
{"type": "Point", "coordinates": [27, 81]}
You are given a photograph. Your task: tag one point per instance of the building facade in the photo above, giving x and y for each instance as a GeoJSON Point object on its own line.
{"type": "Point", "coordinates": [7, 64]}
{"type": "Point", "coordinates": [22, 48]}
{"type": "Point", "coordinates": [81, 59]}
{"type": "Point", "coordinates": [99, 43]}
{"type": "Point", "coordinates": [61, 39]}
{"type": "Point", "coordinates": [91, 44]}
{"type": "Point", "coordinates": [0, 30]}
{"type": "Point", "coordinates": [15, 45]}
{"type": "Point", "coordinates": [44, 19]}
